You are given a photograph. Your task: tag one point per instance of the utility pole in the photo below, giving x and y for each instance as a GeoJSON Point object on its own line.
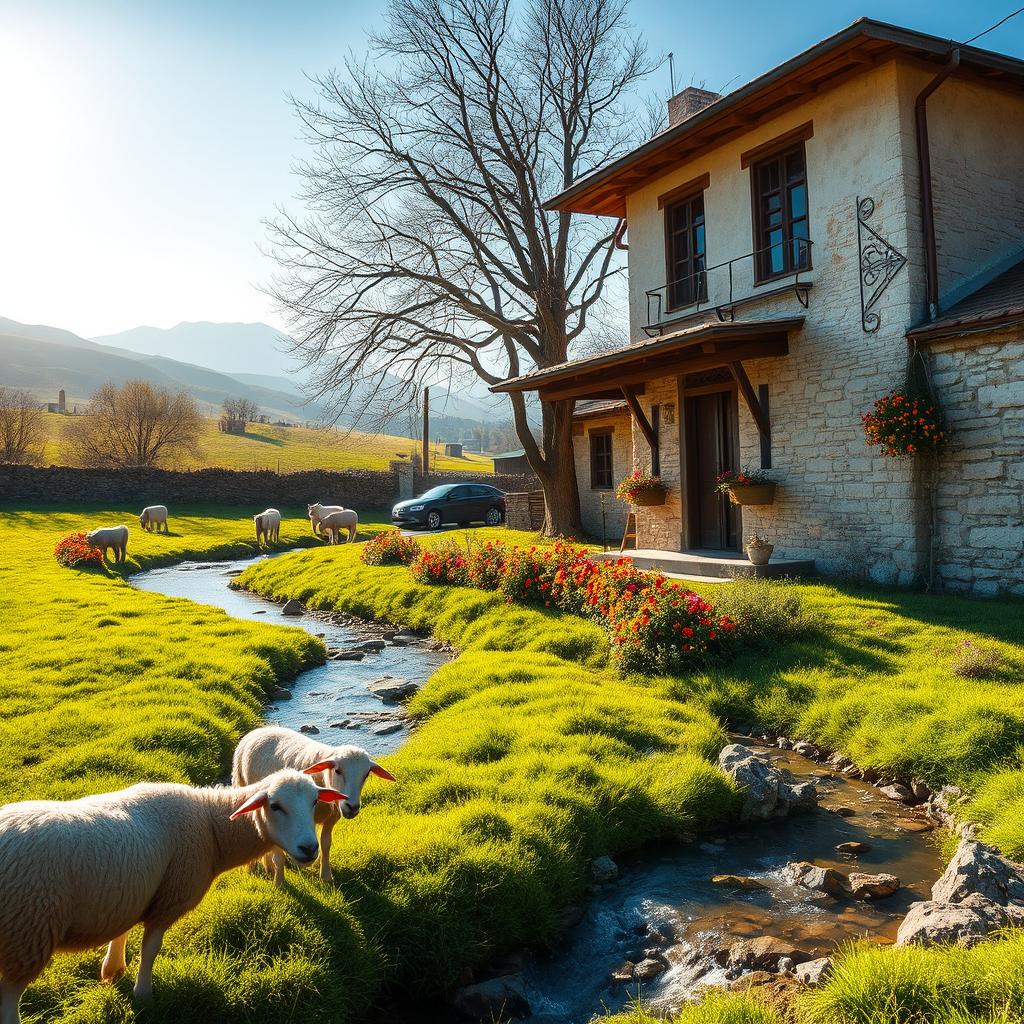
{"type": "Point", "coordinates": [426, 431]}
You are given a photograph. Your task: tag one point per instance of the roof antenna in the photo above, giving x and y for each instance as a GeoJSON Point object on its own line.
{"type": "Point", "coordinates": [672, 72]}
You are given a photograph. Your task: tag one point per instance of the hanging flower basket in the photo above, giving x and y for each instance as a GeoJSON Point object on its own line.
{"type": "Point", "coordinates": [904, 426]}
{"type": "Point", "coordinates": [746, 487]}
{"type": "Point", "coordinates": [641, 488]}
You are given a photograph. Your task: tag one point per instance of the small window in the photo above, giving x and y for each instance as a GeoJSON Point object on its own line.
{"type": "Point", "coordinates": [601, 470]}
{"type": "Point", "coordinates": [781, 227]}
{"type": "Point", "coordinates": [686, 252]}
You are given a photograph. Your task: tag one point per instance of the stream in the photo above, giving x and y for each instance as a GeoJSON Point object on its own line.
{"type": "Point", "coordinates": [334, 692]}
{"type": "Point", "coordinates": [664, 904]}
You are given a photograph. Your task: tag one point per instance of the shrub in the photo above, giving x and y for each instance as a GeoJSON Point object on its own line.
{"type": "Point", "coordinates": [74, 552]}
{"type": "Point", "coordinates": [665, 628]}
{"type": "Point", "coordinates": [543, 576]}
{"type": "Point", "coordinates": [445, 563]}
{"type": "Point", "coordinates": [390, 548]}
{"type": "Point", "coordinates": [903, 426]}
{"type": "Point", "coordinates": [973, 661]}
{"type": "Point", "coordinates": [767, 613]}
{"type": "Point", "coordinates": [485, 564]}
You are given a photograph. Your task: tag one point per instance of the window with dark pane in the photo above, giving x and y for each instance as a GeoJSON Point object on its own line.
{"type": "Point", "coordinates": [781, 228]}
{"type": "Point", "coordinates": [686, 253]}
{"type": "Point", "coordinates": [601, 469]}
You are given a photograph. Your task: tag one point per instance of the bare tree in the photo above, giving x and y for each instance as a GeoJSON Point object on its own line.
{"type": "Point", "coordinates": [135, 425]}
{"type": "Point", "coordinates": [22, 427]}
{"type": "Point", "coordinates": [238, 414]}
{"type": "Point", "coordinates": [425, 251]}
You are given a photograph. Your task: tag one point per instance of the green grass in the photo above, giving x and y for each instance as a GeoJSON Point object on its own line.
{"type": "Point", "coordinates": [288, 449]}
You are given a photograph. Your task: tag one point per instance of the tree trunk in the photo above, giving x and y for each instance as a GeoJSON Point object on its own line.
{"type": "Point", "coordinates": [561, 494]}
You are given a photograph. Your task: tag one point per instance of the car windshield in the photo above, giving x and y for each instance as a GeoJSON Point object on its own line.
{"type": "Point", "coordinates": [436, 492]}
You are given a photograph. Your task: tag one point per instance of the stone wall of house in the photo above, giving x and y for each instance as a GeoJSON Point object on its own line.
{"type": "Point", "coordinates": [360, 489]}
{"type": "Point", "coordinates": [979, 542]}
{"type": "Point", "coordinates": [661, 526]}
{"type": "Point", "coordinates": [591, 498]}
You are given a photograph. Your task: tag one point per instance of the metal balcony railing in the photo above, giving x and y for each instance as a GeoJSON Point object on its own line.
{"type": "Point", "coordinates": [725, 286]}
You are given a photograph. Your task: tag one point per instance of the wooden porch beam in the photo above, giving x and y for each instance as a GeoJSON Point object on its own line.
{"type": "Point", "coordinates": [750, 397]}
{"type": "Point", "coordinates": [641, 420]}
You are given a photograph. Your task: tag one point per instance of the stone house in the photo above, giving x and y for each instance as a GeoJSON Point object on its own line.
{"type": "Point", "coordinates": [789, 244]}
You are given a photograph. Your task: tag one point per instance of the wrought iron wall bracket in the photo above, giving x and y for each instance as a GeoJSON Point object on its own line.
{"type": "Point", "coordinates": [878, 263]}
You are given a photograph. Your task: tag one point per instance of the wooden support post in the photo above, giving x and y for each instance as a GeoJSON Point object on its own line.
{"type": "Point", "coordinates": [642, 422]}
{"type": "Point", "coordinates": [750, 397]}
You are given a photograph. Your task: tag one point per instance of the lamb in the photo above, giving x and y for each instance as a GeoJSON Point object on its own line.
{"type": "Point", "coordinates": [268, 526]}
{"type": "Point", "coordinates": [154, 516]}
{"type": "Point", "coordinates": [270, 748]}
{"type": "Point", "coordinates": [318, 511]}
{"type": "Point", "coordinates": [331, 526]}
{"type": "Point", "coordinates": [79, 873]}
{"type": "Point", "coordinates": [109, 538]}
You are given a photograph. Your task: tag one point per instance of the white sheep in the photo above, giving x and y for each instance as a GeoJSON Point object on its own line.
{"type": "Point", "coordinates": [109, 538]}
{"type": "Point", "coordinates": [318, 511]}
{"type": "Point", "coordinates": [77, 874]}
{"type": "Point", "coordinates": [154, 516]}
{"type": "Point", "coordinates": [331, 526]}
{"type": "Point", "coordinates": [270, 748]}
{"type": "Point", "coordinates": [268, 526]}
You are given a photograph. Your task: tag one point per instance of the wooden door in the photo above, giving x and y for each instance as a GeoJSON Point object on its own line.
{"type": "Point", "coordinates": [712, 446]}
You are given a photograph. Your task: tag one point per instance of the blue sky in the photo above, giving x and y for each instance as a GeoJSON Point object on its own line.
{"type": "Point", "coordinates": [144, 141]}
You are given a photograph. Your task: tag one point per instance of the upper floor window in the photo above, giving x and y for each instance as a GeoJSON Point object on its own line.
{"type": "Point", "coordinates": [781, 227]}
{"type": "Point", "coordinates": [601, 470]}
{"type": "Point", "coordinates": [685, 251]}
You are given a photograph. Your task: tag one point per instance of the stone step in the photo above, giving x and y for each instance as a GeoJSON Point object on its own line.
{"type": "Point", "coordinates": [720, 565]}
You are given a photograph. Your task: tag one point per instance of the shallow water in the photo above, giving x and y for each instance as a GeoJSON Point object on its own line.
{"type": "Point", "coordinates": [668, 889]}
{"type": "Point", "coordinates": [327, 693]}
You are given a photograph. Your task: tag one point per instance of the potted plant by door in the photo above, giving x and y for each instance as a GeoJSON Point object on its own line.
{"type": "Point", "coordinates": [640, 488]}
{"type": "Point", "coordinates": [758, 549]}
{"type": "Point", "coordinates": [746, 487]}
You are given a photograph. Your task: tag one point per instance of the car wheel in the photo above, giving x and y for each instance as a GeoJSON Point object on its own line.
{"type": "Point", "coordinates": [494, 517]}
{"type": "Point", "coordinates": [434, 520]}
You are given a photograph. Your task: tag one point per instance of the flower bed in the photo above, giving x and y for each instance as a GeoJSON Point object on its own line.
{"type": "Point", "coordinates": [903, 426]}
{"type": "Point", "coordinates": [74, 552]}
{"type": "Point", "coordinates": [390, 548]}
{"type": "Point", "coordinates": [656, 625]}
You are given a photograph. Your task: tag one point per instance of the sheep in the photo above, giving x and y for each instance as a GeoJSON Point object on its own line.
{"type": "Point", "coordinates": [154, 516]}
{"type": "Point", "coordinates": [110, 538]}
{"type": "Point", "coordinates": [270, 748]}
{"type": "Point", "coordinates": [80, 873]}
{"type": "Point", "coordinates": [268, 526]}
{"type": "Point", "coordinates": [318, 511]}
{"type": "Point", "coordinates": [332, 525]}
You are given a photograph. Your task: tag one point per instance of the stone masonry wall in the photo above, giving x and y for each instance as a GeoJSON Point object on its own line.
{"type": "Point", "coordinates": [980, 490]}
{"type": "Point", "coordinates": [359, 489]}
{"type": "Point", "coordinates": [615, 511]}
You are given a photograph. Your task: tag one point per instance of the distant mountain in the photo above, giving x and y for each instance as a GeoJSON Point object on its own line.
{"type": "Point", "coordinates": [228, 348]}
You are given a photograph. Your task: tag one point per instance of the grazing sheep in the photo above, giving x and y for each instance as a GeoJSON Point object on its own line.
{"type": "Point", "coordinates": [318, 511]}
{"type": "Point", "coordinates": [268, 526]}
{"type": "Point", "coordinates": [331, 526]}
{"type": "Point", "coordinates": [154, 516]}
{"type": "Point", "coordinates": [109, 538]}
{"type": "Point", "coordinates": [270, 748]}
{"type": "Point", "coordinates": [77, 874]}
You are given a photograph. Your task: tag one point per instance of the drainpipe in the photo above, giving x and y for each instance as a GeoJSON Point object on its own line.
{"type": "Point", "coordinates": [924, 165]}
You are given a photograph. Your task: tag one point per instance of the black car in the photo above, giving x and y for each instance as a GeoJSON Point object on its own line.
{"type": "Point", "coordinates": [452, 503]}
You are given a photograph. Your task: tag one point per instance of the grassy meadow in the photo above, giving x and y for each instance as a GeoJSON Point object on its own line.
{"type": "Point", "coordinates": [288, 449]}
{"type": "Point", "coordinates": [521, 770]}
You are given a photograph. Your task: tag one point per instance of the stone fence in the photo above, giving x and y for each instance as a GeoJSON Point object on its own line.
{"type": "Point", "coordinates": [355, 488]}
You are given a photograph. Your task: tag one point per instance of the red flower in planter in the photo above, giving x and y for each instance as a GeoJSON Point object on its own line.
{"type": "Point", "coordinates": [902, 425]}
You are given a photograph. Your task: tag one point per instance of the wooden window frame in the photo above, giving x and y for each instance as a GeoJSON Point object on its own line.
{"type": "Point", "coordinates": [684, 195]}
{"type": "Point", "coordinates": [776, 152]}
{"type": "Point", "coordinates": [592, 435]}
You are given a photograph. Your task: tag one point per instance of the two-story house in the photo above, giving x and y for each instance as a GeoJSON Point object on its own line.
{"type": "Point", "coordinates": [788, 244]}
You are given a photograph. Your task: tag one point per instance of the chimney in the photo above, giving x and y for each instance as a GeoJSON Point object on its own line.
{"type": "Point", "coordinates": [689, 102]}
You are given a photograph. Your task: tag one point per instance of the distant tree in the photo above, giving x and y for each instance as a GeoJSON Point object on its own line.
{"type": "Point", "coordinates": [427, 252]}
{"type": "Point", "coordinates": [238, 414]}
{"type": "Point", "coordinates": [22, 427]}
{"type": "Point", "coordinates": [135, 425]}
